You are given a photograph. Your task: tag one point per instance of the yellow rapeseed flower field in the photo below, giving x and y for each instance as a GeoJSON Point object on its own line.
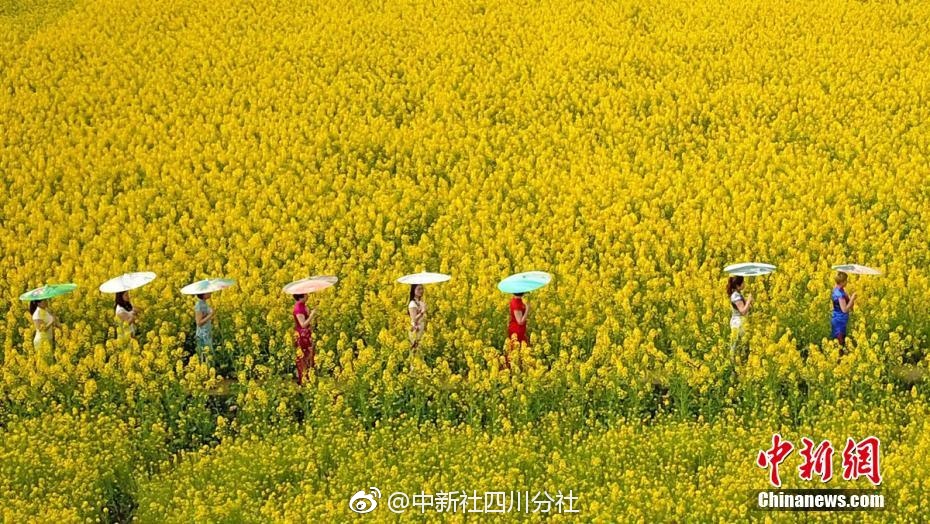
{"type": "Point", "coordinates": [632, 149]}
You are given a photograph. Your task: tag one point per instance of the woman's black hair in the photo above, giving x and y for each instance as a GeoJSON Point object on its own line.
{"type": "Point", "coordinates": [33, 306]}
{"type": "Point", "coordinates": [201, 295]}
{"type": "Point", "coordinates": [298, 296]}
{"type": "Point", "coordinates": [733, 283]}
{"type": "Point", "coordinates": [519, 295]}
{"type": "Point", "coordinates": [413, 291]}
{"type": "Point", "coordinates": [121, 301]}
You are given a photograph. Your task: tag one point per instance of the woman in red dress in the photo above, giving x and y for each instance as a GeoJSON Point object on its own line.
{"type": "Point", "coordinates": [306, 349]}
{"type": "Point", "coordinates": [516, 330]}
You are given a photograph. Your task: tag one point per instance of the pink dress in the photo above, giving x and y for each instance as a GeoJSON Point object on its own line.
{"type": "Point", "coordinates": [303, 341]}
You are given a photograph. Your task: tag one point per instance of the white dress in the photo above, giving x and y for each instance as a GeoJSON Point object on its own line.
{"type": "Point", "coordinates": [736, 318]}
{"type": "Point", "coordinates": [46, 335]}
{"type": "Point", "coordinates": [416, 330]}
{"type": "Point", "coordinates": [124, 329]}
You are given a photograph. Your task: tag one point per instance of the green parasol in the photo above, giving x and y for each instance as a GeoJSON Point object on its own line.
{"type": "Point", "coordinates": [48, 291]}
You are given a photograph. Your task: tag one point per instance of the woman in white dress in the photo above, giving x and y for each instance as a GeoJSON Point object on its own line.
{"type": "Point", "coordinates": [45, 323]}
{"type": "Point", "coordinates": [126, 317]}
{"type": "Point", "coordinates": [416, 308]}
{"type": "Point", "coordinates": [739, 306]}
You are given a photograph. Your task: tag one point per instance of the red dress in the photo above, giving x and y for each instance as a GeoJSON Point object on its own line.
{"type": "Point", "coordinates": [515, 329]}
{"type": "Point", "coordinates": [303, 341]}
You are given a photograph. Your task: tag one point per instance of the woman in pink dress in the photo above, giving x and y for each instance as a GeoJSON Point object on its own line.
{"type": "Point", "coordinates": [306, 349]}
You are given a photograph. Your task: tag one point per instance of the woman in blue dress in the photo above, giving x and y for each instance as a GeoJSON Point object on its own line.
{"type": "Point", "coordinates": [203, 316]}
{"type": "Point", "coordinates": [842, 305]}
